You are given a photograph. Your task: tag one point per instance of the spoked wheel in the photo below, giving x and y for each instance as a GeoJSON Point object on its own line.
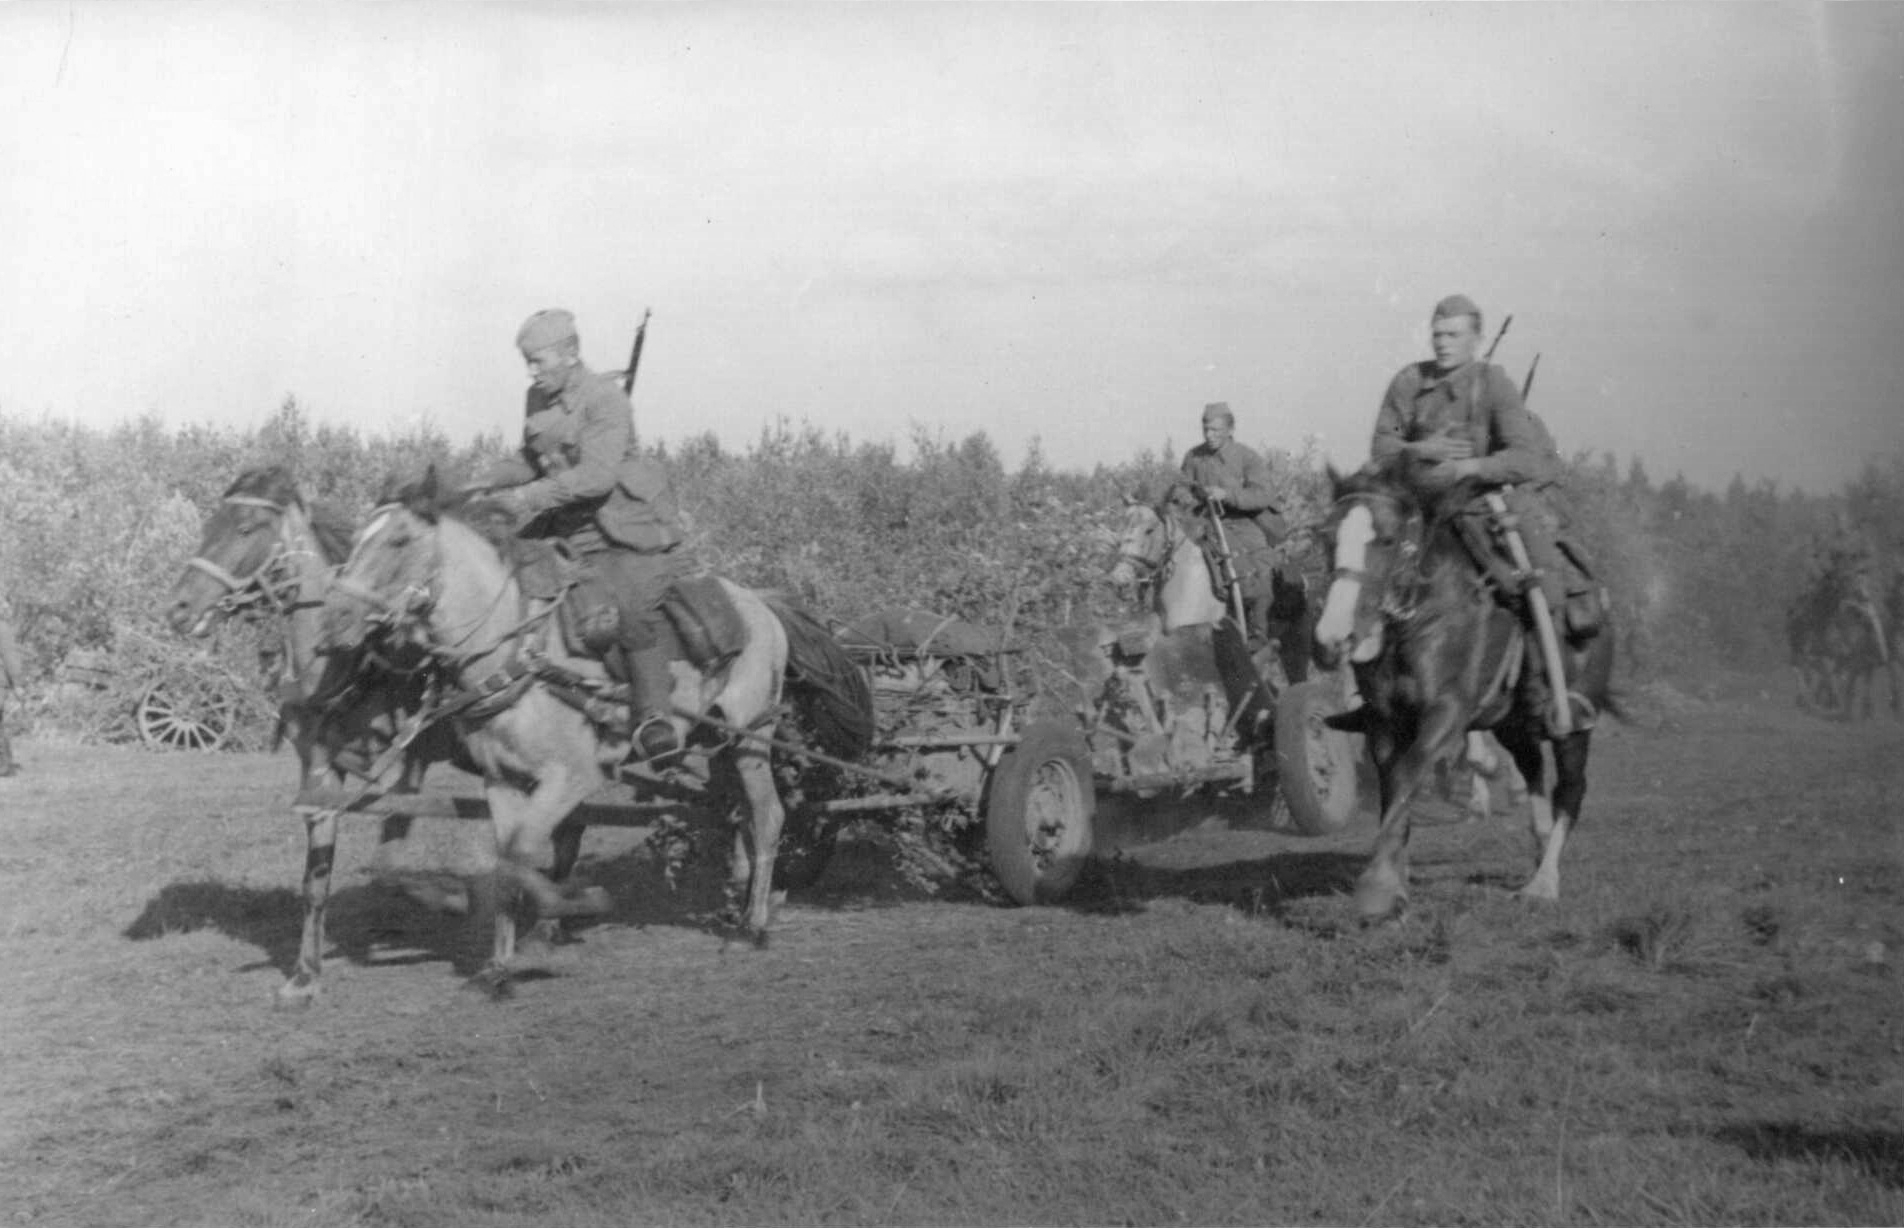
{"type": "Point", "coordinates": [1320, 767]}
{"type": "Point", "coordinates": [1038, 818]}
{"type": "Point", "coordinates": [184, 715]}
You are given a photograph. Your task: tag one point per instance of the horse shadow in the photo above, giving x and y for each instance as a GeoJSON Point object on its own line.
{"type": "Point", "coordinates": [371, 923]}
{"type": "Point", "coordinates": [1877, 1153]}
{"type": "Point", "coordinates": [1262, 886]}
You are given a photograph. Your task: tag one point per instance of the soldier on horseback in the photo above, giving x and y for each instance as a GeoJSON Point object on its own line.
{"type": "Point", "coordinates": [580, 477]}
{"type": "Point", "coordinates": [1234, 482]}
{"type": "Point", "coordinates": [1460, 417]}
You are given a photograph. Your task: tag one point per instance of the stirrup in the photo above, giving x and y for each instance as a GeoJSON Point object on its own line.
{"type": "Point", "coordinates": [653, 738]}
{"type": "Point", "coordinates": [1585, 715]}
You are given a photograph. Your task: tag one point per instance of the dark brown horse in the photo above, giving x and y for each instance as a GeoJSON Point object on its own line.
{"type": "Point", "coordinates": [265, 552]}
{"type": "Point", "coordinates": [1839, 640]}
{"type": "Point", "coordinates": [1436, 654]}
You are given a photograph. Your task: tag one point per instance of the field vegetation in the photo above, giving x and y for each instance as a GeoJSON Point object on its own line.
{"type": "Point", "coordinates": [99, 522]}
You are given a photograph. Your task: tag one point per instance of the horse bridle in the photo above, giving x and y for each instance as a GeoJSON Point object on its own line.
{"type": "Point", "coordinates": [1157, 571]}
{"type": "Point", "coordinates": [414, 603]}
{"type": "Point", "coordinates": [271, 582]}
{"type": "Point", "coordinates": [1407, 550]}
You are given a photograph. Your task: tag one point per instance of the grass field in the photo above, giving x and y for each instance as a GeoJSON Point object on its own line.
{"type": "Point", "coordinates": [1708, 1030]}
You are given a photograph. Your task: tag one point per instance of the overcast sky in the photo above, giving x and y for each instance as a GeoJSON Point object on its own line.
{"type": "Point", "coordinates": [1071, 222]}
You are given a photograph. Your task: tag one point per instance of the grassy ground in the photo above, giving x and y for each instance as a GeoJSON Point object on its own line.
{"type": "Point", "coordinates": [1706, 1031]}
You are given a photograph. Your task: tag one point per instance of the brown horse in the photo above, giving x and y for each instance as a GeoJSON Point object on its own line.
{"type": "Point", "coordinates": [1437, 655]}
{"type": "Point", "coordinates": [1839, 640]}
{"type": "Point", "coordinates": [264, 552]}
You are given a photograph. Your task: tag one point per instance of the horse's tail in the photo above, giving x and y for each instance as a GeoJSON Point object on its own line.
{"type": "Point", "coordinates": [828, 686]}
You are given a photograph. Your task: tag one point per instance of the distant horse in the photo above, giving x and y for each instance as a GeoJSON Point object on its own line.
{"type": "Point", "coordinates": [263, 551]}
{"type": "Point", "coordinates": [424, 576]}
{"type": "Point", "coordinates": [1436, 656]}
{"type": "Point", "coordinates": [1851, 647]}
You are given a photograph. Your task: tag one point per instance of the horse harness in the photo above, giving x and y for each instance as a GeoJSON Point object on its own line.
{"type": "Point", "coordinates": [273, 582]}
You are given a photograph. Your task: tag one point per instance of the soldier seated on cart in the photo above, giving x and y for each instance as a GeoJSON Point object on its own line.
{"type": "Point", "coordinates": [580, 477]}
{"type": "Point", "coordinates": [1234, 482]}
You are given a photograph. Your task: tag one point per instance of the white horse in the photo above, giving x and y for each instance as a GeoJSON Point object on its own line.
{"type": "Point", "coordinates": [430, 578]}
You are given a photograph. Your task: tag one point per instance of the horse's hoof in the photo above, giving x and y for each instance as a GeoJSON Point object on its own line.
{"type": "Point", "coordinates": [492, 983]}
{"type": "Point", "coordinates": [295, 995]}
{"type": "Point", "coordinates": [759, 938]}
{"type": "Point", "coordinates": [1540, 891]}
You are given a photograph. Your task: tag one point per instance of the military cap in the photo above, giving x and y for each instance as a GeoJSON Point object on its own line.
{"type": "Point", "coordinates": [1219, 409]}
{"type": "Point", "coordinates": [545, 329]}
{"type": "Point", "coordinates": [1457, 305]}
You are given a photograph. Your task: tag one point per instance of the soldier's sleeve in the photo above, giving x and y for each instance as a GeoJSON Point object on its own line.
{"type": "Point", "coordinates": [509, 471]}
{"type": "Point", "coordinates": [1391, 421]}
{"type": "Point", "coordinates": [517, 469]}
{"type": "Point", "coordinates": [608, 423]}
{"type": "Point", "coordinates": [1254, 493]}
{"type": "Point", "coordinates": [1517, 448]}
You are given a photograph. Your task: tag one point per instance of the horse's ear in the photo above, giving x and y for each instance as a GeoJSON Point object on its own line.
{"type": "Point", "coordinates": [430, 487]}
{"type": "Point", "coordinates": [1131, 499]}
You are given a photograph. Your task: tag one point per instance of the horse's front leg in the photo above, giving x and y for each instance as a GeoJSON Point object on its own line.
{"type": "Point", "coordinates": [1382, 889]}
{"type": "Point", "coordinates": [320, 857]}
{"type": "Point", "coordinates": [765, 818]}
{"type": "Point", "coordinates": [1524, 744]}
{"type": "Point", "coordinates": [1570, 790]}
{"type": "Point", "coordinates": [554, 931]}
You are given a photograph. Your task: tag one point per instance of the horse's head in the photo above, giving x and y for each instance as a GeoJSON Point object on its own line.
{"type": "Point", "coordinates": [387, 587]}
{"type": "Point", "coordinates": [1150, 535]}
{"type": "Point", "coordinates": [243, 556]}
{"type": "Point", "coordinates": [1375, 527]}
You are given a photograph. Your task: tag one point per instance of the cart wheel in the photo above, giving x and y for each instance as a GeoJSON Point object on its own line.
{"type": "Point", "coordinates": [184, 716]}
{"type": "Point", "coordinates": [1039, 812]}
{"type": "Point", "coordinates": [1318, 765]}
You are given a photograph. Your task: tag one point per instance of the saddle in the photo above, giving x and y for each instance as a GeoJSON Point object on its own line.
{"type": "Point", "coordinates": [707, 630]}
{"type": "Point", "coordinates": [1487, 548]}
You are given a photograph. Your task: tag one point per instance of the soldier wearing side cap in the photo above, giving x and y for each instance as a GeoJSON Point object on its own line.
{"type": "Point", "coordinates": [581, 477]}
{"type": "Point", "coordinates": [1459, 416]}
{"type": "Point", "coordinates": [1235, 481]}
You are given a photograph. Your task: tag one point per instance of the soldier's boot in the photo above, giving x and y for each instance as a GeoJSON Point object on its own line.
{"type": "Point", "coordinates": [7, 766]}
{"type": "Point", "coordinates": [651, 687]}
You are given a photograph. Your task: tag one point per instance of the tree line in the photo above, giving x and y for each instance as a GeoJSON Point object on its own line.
{"type": "Point", "coordinates": [98, 522]}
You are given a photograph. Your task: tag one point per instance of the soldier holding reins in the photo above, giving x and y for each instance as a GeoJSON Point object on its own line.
{"type": "Point", "coordinates": [580, 476]}
{"type": "Point", "coordinates": [1460, 417]}
{"type": "Point", "coordinates": [1234, 482]}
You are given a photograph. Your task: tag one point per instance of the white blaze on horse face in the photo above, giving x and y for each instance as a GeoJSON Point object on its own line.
{"type": "Point", "coordinates": [1352, 538]}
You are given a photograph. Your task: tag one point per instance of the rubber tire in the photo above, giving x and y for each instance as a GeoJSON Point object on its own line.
{"type": "Point", "coordinates": [1304, 747]}
{"type": "Point", "coordinates": [1047, 777]}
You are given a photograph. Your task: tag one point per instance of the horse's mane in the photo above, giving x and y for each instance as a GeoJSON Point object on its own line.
{"type": "Point", "coordinates": [328, 523]}
{"type": "Point", "coordinates": [1396, 477]}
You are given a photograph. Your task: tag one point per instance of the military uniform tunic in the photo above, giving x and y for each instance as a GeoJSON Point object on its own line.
{"type": "Point", "coordinates": [1476, 401]}
{"type": "Point", "coordinates": [580, 476]}
{"type": "Point", "coordinates": [1249, 502]}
